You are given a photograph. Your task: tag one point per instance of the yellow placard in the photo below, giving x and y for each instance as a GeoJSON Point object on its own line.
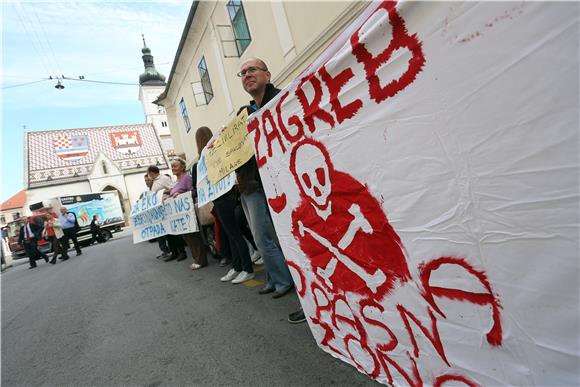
{"type": "Point", "coordinates": [230, 150]}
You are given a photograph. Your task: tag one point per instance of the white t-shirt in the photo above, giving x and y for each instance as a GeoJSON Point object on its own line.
{"type": "Point", "coordinates": [162, 182]}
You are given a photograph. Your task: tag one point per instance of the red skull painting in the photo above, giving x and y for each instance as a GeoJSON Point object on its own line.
{"type": "Point", "coordinates": [342, 228]}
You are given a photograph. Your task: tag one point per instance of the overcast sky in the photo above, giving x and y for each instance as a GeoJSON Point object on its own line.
{"type": "Point", "coordinates": [98, 40]}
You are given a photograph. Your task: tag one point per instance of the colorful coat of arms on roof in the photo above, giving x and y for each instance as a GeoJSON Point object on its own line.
{"type": "Point", "coordinates": [126, 142]}
{"type": "Point", "coordinates": [71, 147]}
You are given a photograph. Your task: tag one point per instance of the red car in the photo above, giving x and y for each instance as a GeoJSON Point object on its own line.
{"type": "Point", "coordinates": [13, 229]}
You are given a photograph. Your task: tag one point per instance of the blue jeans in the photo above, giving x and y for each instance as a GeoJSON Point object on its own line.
{"type": "Point", "coordinates": [256, 210]}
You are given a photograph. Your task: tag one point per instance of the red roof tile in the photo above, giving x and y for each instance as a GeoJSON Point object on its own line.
{"type": "Point", "coordinates": [56, 155]}
{"type": "Point", "coordinates": [16, 201]}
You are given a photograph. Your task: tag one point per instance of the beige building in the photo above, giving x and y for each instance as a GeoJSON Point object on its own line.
{"type": "Point", "coordinates": [203, 88]}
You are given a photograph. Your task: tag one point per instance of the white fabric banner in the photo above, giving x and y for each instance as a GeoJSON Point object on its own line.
{"type": "Point", "coordinates": [206, 191]}
{"type": "Point", "coordinates": [422, 175]}
{"type": "Point", "coordinates": [151, 217]}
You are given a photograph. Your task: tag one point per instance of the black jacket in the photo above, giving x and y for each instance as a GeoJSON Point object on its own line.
{"type": "Point", "coordinates": [94, 225]}
{"type": "Point", "coordinates": [36, 230]}
{"type": "Point", "coordinates": [248, 175]}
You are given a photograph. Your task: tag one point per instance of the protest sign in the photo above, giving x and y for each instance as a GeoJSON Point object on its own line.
{"type": "Point", "coordinates": [230, 150]}
{"type": "Point", "coordinates": [206, 191]}
{"type": "Point", "coordinates": [151, 217]}
{"type": "Point", "coordinates": [422, 174]}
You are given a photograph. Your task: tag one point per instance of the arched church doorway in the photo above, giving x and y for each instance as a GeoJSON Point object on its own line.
{"type": "Point", "coordinates": [124, 201]}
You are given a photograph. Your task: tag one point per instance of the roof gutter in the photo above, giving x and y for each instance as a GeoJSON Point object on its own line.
{"type": "Point", "coordinates": [162, 96]}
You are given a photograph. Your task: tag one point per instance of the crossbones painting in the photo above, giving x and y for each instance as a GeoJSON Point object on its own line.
{"type": "Point", "coordinates": [342, 228]}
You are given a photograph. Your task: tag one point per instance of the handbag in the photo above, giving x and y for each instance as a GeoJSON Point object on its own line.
{"type": "Point", "coordinates": [204, 215]}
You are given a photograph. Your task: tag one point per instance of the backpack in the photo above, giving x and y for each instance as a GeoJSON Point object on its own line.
{"type": "Point", "coordinates": [77, 226]}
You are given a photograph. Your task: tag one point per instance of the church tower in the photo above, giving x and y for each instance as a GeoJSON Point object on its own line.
{"type": "Point", "coordinates": [151, 85]}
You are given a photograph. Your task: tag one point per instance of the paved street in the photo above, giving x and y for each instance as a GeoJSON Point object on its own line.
{"type": "Point", "coordinates": [117, 316]}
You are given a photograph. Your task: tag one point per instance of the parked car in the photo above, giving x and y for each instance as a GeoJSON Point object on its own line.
{"type": "Point", "coordinates": [13, 228]}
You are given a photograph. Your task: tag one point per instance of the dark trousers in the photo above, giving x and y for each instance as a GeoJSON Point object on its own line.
{"type": "Point", "coordinates": [58, 247]}
{"type": "Point", "coordinates": [70, 234]}
{"type": "Point", "coordinates": [162, 241]}
{"type": "Point", "coordinates": [225, 207]}
{"type": "Point", "coordinates": [224, 245]}
{"type": "Point", "coordinates": [96, 236]}
{"type": "Point", "coordinates": [31, 249]}
{"type": "Point", "coordinates": [243, 225]}
{"type": "Point", "coordinates": [176, 244]}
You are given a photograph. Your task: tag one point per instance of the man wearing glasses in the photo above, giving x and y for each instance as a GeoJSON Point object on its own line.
{"type": "Point", "coordinates": [256, 82]}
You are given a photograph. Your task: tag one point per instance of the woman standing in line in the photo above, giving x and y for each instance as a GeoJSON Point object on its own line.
{"type": "Point", "coordinates": [242, 269]}
{"type": "Point", "coordinates": [185, 184]}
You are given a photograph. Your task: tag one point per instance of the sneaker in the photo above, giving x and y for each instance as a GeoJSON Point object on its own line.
{"type": "Point", "coordinates": [224, 262]}
{"type": "Point", "coordinates": [230, 276]}
{"type": "Point", "coordinates": [243, 277]}
{"type": "Point", "coordinates": [297, 317]}
{"type": "Point", "coordinates": [256, 256]}
{"type": "Point", "coordinates": [259, 261]}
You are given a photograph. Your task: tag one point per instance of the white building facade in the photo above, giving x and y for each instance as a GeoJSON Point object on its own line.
{"type": "Point", "coordinates": [203, 88]}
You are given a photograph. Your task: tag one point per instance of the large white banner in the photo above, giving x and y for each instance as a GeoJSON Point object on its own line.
{"type": "Point", "coordinates": [152, 217]}
{"type": "Point", "coordinates": [422, 175]}
{"type": "Point", "coordinates": [206, 191]}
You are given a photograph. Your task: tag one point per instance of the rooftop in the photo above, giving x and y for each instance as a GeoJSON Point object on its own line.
{"type": "Point", "coordinates": [16, 201]}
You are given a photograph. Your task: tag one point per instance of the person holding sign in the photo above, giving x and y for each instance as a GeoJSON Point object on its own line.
{"type": "Point", "coordinates": [256, 82]}
{"type": "Point", "coordinates": [185, 184]}
{"type": "Point", "coordinates": [225, 206]}
{"type": "Point", "coordinates": [162, 242]}
{"type": "Point", "coordinates": [164, 183]}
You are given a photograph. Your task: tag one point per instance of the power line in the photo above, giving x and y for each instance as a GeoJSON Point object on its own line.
{"type": "Point", "coordinates": [105, 82]}
{"type": "Point", "coordinates": [47, 41]}
{"type": "Point", "coordinates": [40, 43]}
{"type": "Point", "coordinates": [97, 73]}
{"type": "Point", "coordinates": [71, 79]}
{"type": "Point", "coordinates": [125, 69]}
{"type": "Point", "coordinates": [30, 38]}
{"type": "Point", "coordinates": [24, 84]}
{"type": "Point", "coordinates": [18, 76]}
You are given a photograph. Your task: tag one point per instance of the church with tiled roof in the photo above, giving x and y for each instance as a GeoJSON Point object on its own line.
{"type": "Point", "coordinates": [86, 160]}
{"type": "Point", "coordinates": [69, 155]}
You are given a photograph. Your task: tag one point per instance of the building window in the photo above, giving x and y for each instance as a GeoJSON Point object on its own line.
{"type": "Point", "coordinates": [15, 216]}
{"type": "Point", "coordinates": [183, 109]}
{"type": "Point", "coordinates": [3, 219]}
{"type": "Point", "coordinates": [205, 82]}
{"type": "Point", "coordinates": [239, 25]}
{"type": "Point", "coordinates": [104, 165]}
{"type": "Point", "coordinates": [164, 124]}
